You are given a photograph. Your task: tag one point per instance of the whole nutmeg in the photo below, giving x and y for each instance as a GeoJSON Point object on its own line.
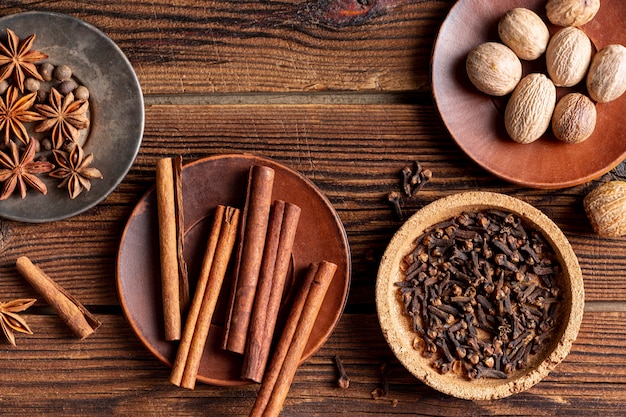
{"type": "Point", "coordinates": [67, 86]}
{"type": "Point", "coordinates": [493, 68]}
{"type": "Point", "coordinates": [568, 56]}
{"type": "Point", "coordinates": [42, 95]}
{"type": "Point", "coordinates": [606, 209]}
{"type": "Point", "coordinates": [62, 73]}
{"type": "Point", "coordinates": [571, 12]}
{"type": "Point", "coordinates": [528, 113]}
{"type": "Point", "coordinates": [574, 118]}
{"type": "Point", "coordinates": [524, 32]}
{"type": "Point", "coordinates": [32, 84]}
{"type": "Point", "coordinates": [81, 93]}
{"type": "Point", "coordinates": [45, 70]}
{"type": "Point", "coordinates": [606, 79]}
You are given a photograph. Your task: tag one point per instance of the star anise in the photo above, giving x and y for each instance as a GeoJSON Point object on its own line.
{"type": "Point", "coordinates": [20, 171]}
{"type": "Point", "coordinates": [18, 59]}
{"type": "Point", "coordinates": [65, 116]}
{"type": "Point", "coordinates": [14, 112]}
{"type": "Point", "coordinates": [74, 170]}
{"type": "Point", "coordinates": [10, 321]}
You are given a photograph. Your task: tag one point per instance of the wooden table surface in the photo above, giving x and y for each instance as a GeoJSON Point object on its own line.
{"type": "Point", "coordinates": [338, 90]}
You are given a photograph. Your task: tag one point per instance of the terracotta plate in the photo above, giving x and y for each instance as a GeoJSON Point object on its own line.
{"type": "Point", "coordinates": [207, 183]}
{"type": "Point", "coordinates": [475, 120]}
{"type": "Point", "coordinates": [116, 110]}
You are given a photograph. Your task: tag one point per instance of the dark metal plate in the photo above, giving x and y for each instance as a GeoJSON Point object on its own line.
{"type": "Point", "coordinates": [116, 110]}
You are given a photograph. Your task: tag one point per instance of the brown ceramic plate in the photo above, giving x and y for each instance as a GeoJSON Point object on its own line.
{"type": "Point", "coordinates": [475, 120]}
{"type": "Point", "coordinates": [207, 183]}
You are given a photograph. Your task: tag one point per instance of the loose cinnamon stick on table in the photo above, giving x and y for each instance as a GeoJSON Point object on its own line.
{"type": "Point", "coordinates": [253, 232]}
{"type": "Point", "coordinates": [281, 235]}
{"type": "Point", "coordinates": [70, 310]}
{"type": "Point", "coordinates": [293, 340]}
{"type": "Point", "coordinates": [174, 284]}
{"type": "Point", "coordinates": [214, 265]}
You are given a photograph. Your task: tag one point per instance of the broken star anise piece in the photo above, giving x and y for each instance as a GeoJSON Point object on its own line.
{"type": "Point", "coordinates": [64, 115]}
{"type": "Point", "coordinates": [14, 112]}
{"type": "Point", "coordinates": [74, 170]}
{"type": "Point", "coordinates": [20, 171]}
{"type": "Point", "coordinates": [10, 321]}
{"type": "Point", "coordinates": [18, 59]}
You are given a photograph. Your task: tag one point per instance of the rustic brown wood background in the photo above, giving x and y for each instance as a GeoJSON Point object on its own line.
{"type": "Point", "coordinates": [340, 91]}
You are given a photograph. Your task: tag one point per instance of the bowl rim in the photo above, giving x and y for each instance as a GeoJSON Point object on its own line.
{"type": "Point", "coordinates": [396, 329]}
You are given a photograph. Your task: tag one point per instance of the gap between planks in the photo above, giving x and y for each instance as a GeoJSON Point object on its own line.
{"type": "Point", "coordinates": [590, 307]}
{"type": "Point", "coordinates": [290, 98]}
{"type": "Point", "coordinates": [604, 306]}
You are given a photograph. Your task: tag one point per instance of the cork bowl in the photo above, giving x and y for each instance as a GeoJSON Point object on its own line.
{"type": "Point", "coordinates": [398, 328]}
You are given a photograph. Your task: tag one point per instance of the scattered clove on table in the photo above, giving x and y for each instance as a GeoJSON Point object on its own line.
{"type": "Point", "coordinates": [413, 179]}
{"type": "Point", "coordinates": [381, 392]}
{"type": "Point", "coordinates": [395, 199]}
{"type": "Point", "coordinates": [343, 381]}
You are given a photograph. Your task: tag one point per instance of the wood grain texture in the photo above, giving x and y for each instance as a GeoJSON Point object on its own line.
{"type": "Point", "coordinates": [199, 47]}
{"type": "Point", "coordinates": [112, 374]}
{"type": "Point", "coordinates": [338, 90]}
{"type": "Point", "coordinates": [353, 153]}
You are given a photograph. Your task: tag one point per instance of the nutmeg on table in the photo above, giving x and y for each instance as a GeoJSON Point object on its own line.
{"type": "Point", "coordinates": [524, 32]}
{"type": "Point", "coordinates": [571, 12]}
{"type": "Point", "coordinates": [568, 56]}
{"type": "Point", "coordinates": [529, 111]}
{"type": "Point", "coordinates": [606, 80]}
{"type": "Point", "coordinates": [606, 209]}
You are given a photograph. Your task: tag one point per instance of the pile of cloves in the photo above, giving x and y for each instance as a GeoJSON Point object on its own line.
{"type": "Point", "coordinates": [482, 293]}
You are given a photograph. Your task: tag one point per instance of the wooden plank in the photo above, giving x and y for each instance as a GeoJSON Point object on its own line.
{"type": "Point", "coordinates": [353, 153]}
{"type": "Point", "coordinates": [358, 167]}
{"type": "Point", "coordinates": [200, 47]}
{"type": "Point", "coordinates": [110, 373]}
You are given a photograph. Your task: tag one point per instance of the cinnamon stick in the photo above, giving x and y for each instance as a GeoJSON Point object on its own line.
{"type": "Point", "coordinates": [293, 340]}
{"type": "Point", "coordinates": [274, 268]}
{"type": "Point", "coordinates": [249, 256]}
{"type": "Point", "coordinates": [175, 287]}
{"type": "Point", "coordinates": [70, 310]}
{"type": "Point", "coordinates": [282, 348]}
{"type": "Point", "coordinates": [215, 262]}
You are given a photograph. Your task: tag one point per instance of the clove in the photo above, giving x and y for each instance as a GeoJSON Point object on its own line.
{"type": "Point", "coordinates": [414, 179]}
{"type": "Point", "coordinates": [481, 293]}
{"type": "Point", "coordinates": [343, 381]}
{"type": "Point", "coordinates": [395, 200]}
